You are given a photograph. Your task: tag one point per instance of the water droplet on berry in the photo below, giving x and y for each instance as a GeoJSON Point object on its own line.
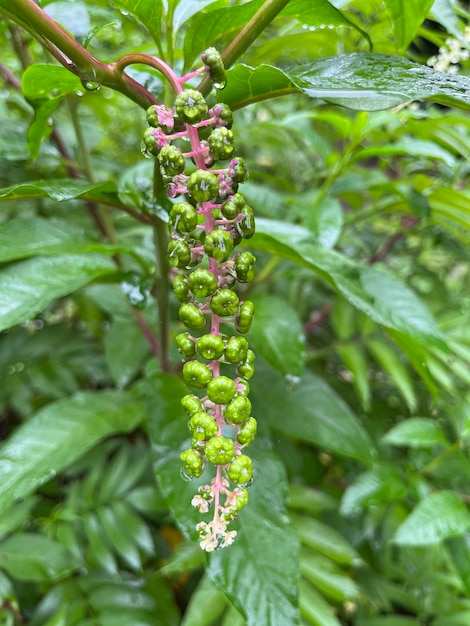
{"type": "Point", "coordinates": [186, 476]}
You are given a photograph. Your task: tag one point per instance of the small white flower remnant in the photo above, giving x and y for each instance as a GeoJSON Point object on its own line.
{"type": "Point", "coordinates": [451, 54]}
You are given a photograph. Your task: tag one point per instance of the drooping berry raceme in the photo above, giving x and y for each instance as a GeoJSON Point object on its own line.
{"type": "Point", "coordinates": [195, 149]}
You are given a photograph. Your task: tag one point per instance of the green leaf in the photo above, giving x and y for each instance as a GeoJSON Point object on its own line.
{"type": "Point", "coordinates": [62, 190]}
{"type": "Point", "coordinates": [147, 12]}
{"type": "Point", "coordinates": [58, 435]}
{"type": "Point", "coordinates": [388, 358]}
{"type": "Point", "coordinates": [205, 606]}
{"type": "Point", "coordinates": [73, 16]}
{"type": "Point", "coordinates": [277, 335]}
{"type": "Point", "coordinates": [125, 348]}
{"type": "Point", "coordinates": [315, 608]}
{"type": "Point", "coordinates": [324, 539]}
{"type": "Point", "coordinates": [311, 411]}
{"type": "Point", "coordinates": [384, 484]}
{"type": "Point", "coordinates": [185, 10]}
{"type": "Point", "coordinates": [27, 287]}
{"type": "Point", "coordinates": [27, 556]}
{"type": "Point", "coordinates": [249, 571]}
{"type": "Point", "coordinates": [450, 207]}
{"type": "Point", "coordinates": [439, 516]}
{"type": "Point", "coordinates": [35, 236]}
{"type": "Point", "coordinates": [361, 81]}
{"type": "Point", "coordinates": [416, 432]}
{"type": "Point", "coordinates": [259, 572]}
{"type": "Point", "coordinates": [459, 553]}
{"type": "Point", "coordinates": [407, 16]}
{"type": "Point", "coordinates": [44, 86]}
{"type": "Point", "coordinates": [354, 358]}
{"type": "Point", "coordinates": [327, 577]}
{"type": "Point", "coordinates": [443, 12]}
{"type": "Point", "coordinates": [391, 620]}
{"type": "Point", "coordinates": [207, 28]}
{"type": "Point", "coordinates": [382, 297]}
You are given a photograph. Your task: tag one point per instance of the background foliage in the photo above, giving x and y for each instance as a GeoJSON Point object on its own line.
{"type": "Point", "coordinates": [359, 511]}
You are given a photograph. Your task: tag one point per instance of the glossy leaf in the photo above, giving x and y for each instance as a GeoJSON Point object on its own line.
{"type": "Point", "coordinates": [443, 12]}
{"type": "Point", "coordinates": [147, 12]}
{"type": "Point", "coordinates": [361, 81]}
{"type": "Point", "coordinates": [23, 238]}
{"type": "Point", "coordinates": [44, 86]}
{"type": "Point", "coordinates": [416, 432]}
{"type": "Point", "coordinates": [311, 411]}
{"type": "Point", "coordinates": [327, 577]}
{"type": "Point", "coordinates": [324, 539]}
{"type": "Point", "coordinates": [383, 484]}
{"type": "Point", "coordinates": [315, 608]}
{"type": "Point", "coordinates": [125, 348]}
{"type": "Point", "coordinates": [407, 17]}
{"type": "Point", "coordinates": [382, 297]}
{"type": "Point", "coordinates": [27, 287]}
{"type": "Point", "coordinates": [277, 335]}
{"type": "Point", "coordinates": [62, 190]}
{"type": "Point", "coordinates": [260, 571]}
{"type": "Point", "coordinates": [31, 557]}
{"type": "Point", "coordinates": [439, 516]}
{"type": "Point", "coordinates": [58, 435]}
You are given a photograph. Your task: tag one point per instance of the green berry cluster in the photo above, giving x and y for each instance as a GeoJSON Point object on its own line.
{"type": "Point", "coordinates": [208, 219]}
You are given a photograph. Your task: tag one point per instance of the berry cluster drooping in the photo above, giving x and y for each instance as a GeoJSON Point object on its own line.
{"type": "Point", "coordinates": [208, 219]}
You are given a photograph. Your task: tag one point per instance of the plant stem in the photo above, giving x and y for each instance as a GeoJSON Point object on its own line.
{"type": "Point", "coordinates": [160, 237]}
{"type": "Point", "coordinates": [72, 55]}
{"type": "Point", "coordinates": [260, 20]}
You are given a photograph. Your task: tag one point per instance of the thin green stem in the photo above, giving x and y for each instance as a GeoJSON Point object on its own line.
{"type": "Point", "coordinates": [160, 237]}
{"type": "Point", "coordinates": [258, 23]}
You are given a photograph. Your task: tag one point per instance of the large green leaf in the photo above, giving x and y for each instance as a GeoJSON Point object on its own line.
{"type": "Point", "coordinates": [27, 287]}
{"type": "Point", "coordinates": [385, 299]}
{"type": "Point", "coordinates": [407, 17]}
{"type": "Point", "coordinates": [310, 411]}
{"type": "Point", "coordinates": [59, 434]}
{"type": "Point", "coordinates": [439, 516]}
{"type": "Point", "coordinates": [62, 190]}
{"type": "Point", "coordinates": [259, 572]}
{"type": "Point", "coordinates": [362, 81]}
{"type": "Point", "coordinates": [254, 583]}
{"type": "Point", "coordinates": [147, 12]}
{"type": "Point", "coordinates": [277, 335]}
{"type": "Point", "coordinates": [416, 432]}
{"type": "Point", "coordinates": [27, 556]}
{"type": "Point", "coordinates": [26, 237]}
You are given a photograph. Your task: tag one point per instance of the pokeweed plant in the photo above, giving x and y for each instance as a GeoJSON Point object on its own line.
{"type": "Point", "coordinates": [98, 353]}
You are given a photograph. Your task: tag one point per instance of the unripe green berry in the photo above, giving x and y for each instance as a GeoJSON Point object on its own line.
{"type": "Point", "coordinates": [196, 374]}
{"type": "Point", "coordinates": [171, 161]}
{"type": "Point", "coordinates": [193, 463]}
{"type": "Point", "coordinates": [236, 349]}
{"type": "Point", "coordinates": [213, 61]}
{"type": "Point", "coordinates": [225, 303]}
{"type": "Point", "coordinates": [224, 113]}
{"type": "Point", "coordinates": [191, 404]}
{"type": "Point", "coordinates": [192, 317]}
{"type": "Point", "coordinates": [240, 172]}
{"type": "Point", "coordinates": [241, 499]}
{"type": "Point", "coordinates": [247, 223]}
{"type": "Point", "coordinates": [233, 206]}
{"type": "Point", "coordinates": [246, 370]}
{"type": "Point", "coordinates": [221, 390]}
{"type": "Point", "coordinates": [183, 217]}
{"type": "Point", "coordinates": [247, 432]}
{"type": "Point", "coordinates": [210, 347]}
{"type": "Point", "coordinates": [243, 388]}
{"type": "Point", "coordinates": [238, 410]}
{"type": "Point", "coordinates": [181, 287]}
{"type": "Point", "coordinates": [245, 315]}
{"type": "Point", "coordinates": [151, 143]}
{"type": "Point", "coordinates": [190, 106]}
{"type": "Point", "coordinates": [186, 345]}
{"type": "Point", "coordinates": [218, 245]}
{"type": "Point", "coordinates": [241, 470]}
{"type": "Point", "coordinates": [202, 283]}
{"type": "Point", "coordinates": [245, 267]}
{"type": "Point", "coordinates": [203, 426]}
{"type": "Point", "coordinates": [203, 186]}
{"type": "Point", "coordinates": [152, 116]}
{"type": "Point", "coordinates": [219, 450]}
{"type": "Point", "coordinates": [179, 253]}
{"type": "Point", "coordinates": [221, 145]}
